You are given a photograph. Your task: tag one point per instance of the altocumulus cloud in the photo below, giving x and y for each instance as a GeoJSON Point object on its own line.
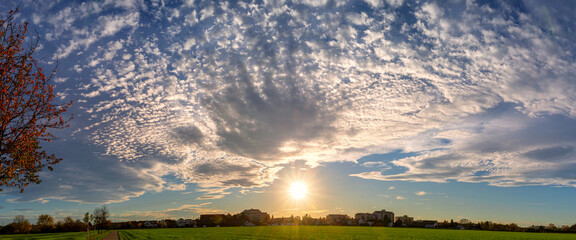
{"type": "Point", "coordinates": [221, 94]}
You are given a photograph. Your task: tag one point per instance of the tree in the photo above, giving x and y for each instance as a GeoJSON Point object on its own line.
{"type": "Point", "coordinates": [21, 224]}
{"type": "Point", "coordinates": [87, 218]}
{"type": "Point", "coordinates": [68, 224]}
{"type": "Point", "coordinates": [45, 223]}
{"type": "Point", "coordinates": [27, 111]}
{"type": "Point", "coordinates": [101, 216]}
{"type": "Point", "coordinates": [387, 221]}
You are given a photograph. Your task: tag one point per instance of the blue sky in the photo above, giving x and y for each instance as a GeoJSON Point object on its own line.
{"type": "Point", "coordinates": [438, 110]}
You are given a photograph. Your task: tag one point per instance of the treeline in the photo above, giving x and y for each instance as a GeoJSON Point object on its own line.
{"type": "Point", "coordinates": [512, 227]}
{"type": "Point", "coordinates": [98, 220]}
{"type": "Point", "coordinates": [230, 220]}
{"type": "Point", "coordinates": [21, 225]}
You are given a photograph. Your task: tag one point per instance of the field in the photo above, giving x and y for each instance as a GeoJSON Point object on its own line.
{"type": "Point", "coordinates": [63, 236]}
{"type": "Point", "coordinates": [300, 232]}
{"type": "Point", "coordinates": [328, 232]}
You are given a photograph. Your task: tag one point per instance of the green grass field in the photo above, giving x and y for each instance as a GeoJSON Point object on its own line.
{"type": "Point", "coordinates": [63, 236]}
{"type": "Point", "coordinates": [328, 232]}
{"type": "Point", "coordinates": [299, 232]}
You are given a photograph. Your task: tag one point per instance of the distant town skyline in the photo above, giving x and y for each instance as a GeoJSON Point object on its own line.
{"type": "Point", "coordinates": [432, 109]}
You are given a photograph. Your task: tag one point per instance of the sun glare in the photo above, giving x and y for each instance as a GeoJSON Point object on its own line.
{"type": "Point", "coordinates": [298, 190]}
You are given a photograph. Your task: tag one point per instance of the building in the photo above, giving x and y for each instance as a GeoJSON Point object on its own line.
{"type": "Point", "coordinates": [150, 224]}
{"type": "Point", "coordinates": [185, 223]}
{"type": "Point", "coordinates": [256, 216]}
{"type": "Point", "coordinates": [404, 219]}
{"type": "Point", "coordinates": [337, 219]}
{"type": "Point", "coordinates": [364, 216]}
{"type": "Point", "coordinates": [430, 223]}
{"type": "Point", "coordinates": [385, 216]}
{"type": "Point", "coordinates": [380, 216]}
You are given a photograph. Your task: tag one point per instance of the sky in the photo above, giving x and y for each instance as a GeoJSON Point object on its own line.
{"type": "Point", "coordinates": [431, 109]}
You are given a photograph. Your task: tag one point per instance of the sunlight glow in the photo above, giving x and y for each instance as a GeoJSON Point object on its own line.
{"type": "Point", "coordinates": [298, 190]}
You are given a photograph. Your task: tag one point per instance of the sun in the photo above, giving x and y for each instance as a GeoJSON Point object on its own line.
{"type": "Point", "coordinates": [298, 190]}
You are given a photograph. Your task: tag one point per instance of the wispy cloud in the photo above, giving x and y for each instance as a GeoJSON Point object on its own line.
{"type": "Point", "coordinates": [209, 197]}
{"type": "Point", "coordinates": [173, 213]}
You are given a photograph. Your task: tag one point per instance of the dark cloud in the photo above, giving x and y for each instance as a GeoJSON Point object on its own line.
{"type": "Point", "coordinates": [188, 135]}
{"type": "Point", "coordinates": [224, 174]}
{"type": "Point", "coordinates": [557, 153]}
{"type": "Point", "coordinates": [507, 130]}
{"type": "Point", "coordinates": [216, 168]}
{"type": "Point", "coordinates": [243, 182]}
{"type": "Point", "coordinates": [255, 121]}
{"type": "Point", "coordinates": [92, 179]}
{"type": "Point", "coordinates": [503, 147]}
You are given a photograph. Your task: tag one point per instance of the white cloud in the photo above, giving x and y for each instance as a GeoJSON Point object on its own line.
{"type": "Point", "coordinates": [60, 80]}
{"type": "Point", "coordinates": [374, 3]}
{"type": "Point", "coordinates": [191, 19]}
{"type": "Point", "coordinates": [312, 3]}
{"type": "Point", "coordinates": [421, 193]}
{"type": "Point", "coordinates": [393, 3]}
{"type": "Point", "coordinates": [206, 13]}
{"type": "Point", "coordinates": [359, 18]}
{"type": "Point", "coordinates": [113, 24]}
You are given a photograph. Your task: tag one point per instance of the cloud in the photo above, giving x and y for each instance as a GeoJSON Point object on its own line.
{"type": "Point", "coordinates": [238, 90]}
{"type": "Point", "coordinates": [400, 198]}
{"type": "Point", "coordinates": [93, 180]}
{"type": "Point", "coordinates": [506, 148]}
{"type": "Point", "coordinates": [313, 3]}
{"type": "Point", "coordinates": [188, 135]}
{"type": "Point", "coordinates": [380, 165]}
{"type": "Point", "coordinates": [172, 213]}
{"type": "Point", "coordinates": [421, 193]}
{"type": "Point", "coordinates": [209, 197]}
{"type": "Point", "coordinates": [218, 176]}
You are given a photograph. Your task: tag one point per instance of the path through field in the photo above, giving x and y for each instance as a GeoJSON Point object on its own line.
{"type": "Point", "coordinates": [111, 236]}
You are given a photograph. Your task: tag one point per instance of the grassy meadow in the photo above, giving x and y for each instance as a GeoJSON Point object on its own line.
{"type": "Point", "coordinates": [55, 236]}
{"type": "Point", "coordinates": [299, 232]}
{"type": "Point", "coordinates": [328, 232]}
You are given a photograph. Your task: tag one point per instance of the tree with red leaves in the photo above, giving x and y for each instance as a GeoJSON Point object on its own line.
{"type": "Point", "coordinates": [27, 111]}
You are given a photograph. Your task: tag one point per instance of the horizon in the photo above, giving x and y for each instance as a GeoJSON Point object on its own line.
{"type": "Point", "coordinates": [435, 110]}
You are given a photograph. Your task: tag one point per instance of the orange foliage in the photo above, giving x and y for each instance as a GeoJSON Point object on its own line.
{"type": "Point", "coordinates": [27, 112]}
